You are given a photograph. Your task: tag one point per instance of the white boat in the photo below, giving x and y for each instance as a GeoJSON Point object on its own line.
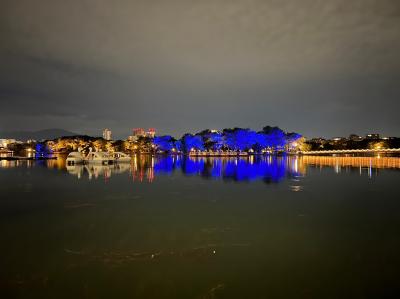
{"type": "Point", "coordinates": [99, 157]}
{"type": "Point", "coordinates": [75, 158]}
{"type": "Point", "coordinates": [121, 157]}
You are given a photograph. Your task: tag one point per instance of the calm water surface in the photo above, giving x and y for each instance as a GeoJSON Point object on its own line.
{"type": "Point", "coordinates": [170, 227]}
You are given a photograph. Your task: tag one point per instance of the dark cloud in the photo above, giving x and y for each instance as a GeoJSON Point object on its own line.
{"type": "Point", "coordinates": [318, 67]}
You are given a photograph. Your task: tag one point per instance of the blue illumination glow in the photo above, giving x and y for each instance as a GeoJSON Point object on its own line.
{"type": "Point", "coordinates": [194, 142]}
{"type": "Point", "coordinates": [164, 143]}
{"type": "Point", "coordinates": [42, 151]}
{"type": "Point", "coordinates": [269, 169]}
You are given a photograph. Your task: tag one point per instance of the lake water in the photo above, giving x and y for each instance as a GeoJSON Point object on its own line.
{"type": "Point", "coordinates": [170, 227]}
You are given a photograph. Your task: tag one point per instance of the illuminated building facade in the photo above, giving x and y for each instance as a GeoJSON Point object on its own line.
{"type": "Point", "coordinates": [151, 132]}
{"type": "Point", "coordinates": [354, 137]}
{"type": "Point", "coordinates": [107, 134]}
{"type": "Point", "coordinates": [5, 142]}
{"type": "Point", "coordinates": [373, 136]}
{"type": "Point", "coordinates": [140, 132]}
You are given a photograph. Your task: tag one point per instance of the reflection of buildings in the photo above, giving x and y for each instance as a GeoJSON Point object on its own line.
{"type": "Point", "coordinates": [266, 168]}
{"type": "Point", "coordinates": [58, 163]}
{"type": "Point", "coordinates": [142, 168]}
{"type": "Point", "coordinates": [9, 164]}
{"type": "Point", "coordinates": [270, 169]}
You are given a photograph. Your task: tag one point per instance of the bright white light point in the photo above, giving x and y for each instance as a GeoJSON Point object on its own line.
{"type": "Point", "coordinates": [214, 251]}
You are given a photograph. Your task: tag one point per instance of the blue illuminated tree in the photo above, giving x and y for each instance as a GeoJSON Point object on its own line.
{"type": "Point", "coordinates": [42, 150]}
{"type": "Point", "coordinates": [164, 143]}
{"type": "Point", "coordinates": [217, 140]}
{"type": "Point", "coordinates": [275, 137]}
{"type": "Point", "coordinates": [194, 142]}
{"type": "Point", "coordinates": [240, 139]}
{"type": "Point", "coordinates": [261, 142]}
{"type": "Point", "coordinates": [178, 145]}
{"type": "Point", "coordinates": [213, 140]}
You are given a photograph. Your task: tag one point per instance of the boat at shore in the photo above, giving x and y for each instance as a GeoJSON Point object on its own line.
{"type": "Point", "coordinates": [75, 158]}
{"type": "Point", "coordinates": [99, 157]}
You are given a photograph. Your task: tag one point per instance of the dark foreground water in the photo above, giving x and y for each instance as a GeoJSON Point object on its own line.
{"type": "Point", "coordinates": [311, 227]}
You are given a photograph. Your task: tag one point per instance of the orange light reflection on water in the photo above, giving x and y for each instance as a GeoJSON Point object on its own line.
{"type": "Point", "coordinates": [374, 162]}
{"type": "Point", "coordinates": [142, 169]}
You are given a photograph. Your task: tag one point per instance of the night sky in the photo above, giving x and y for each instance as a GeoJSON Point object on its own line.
{"type": "Point", "coordinates": [321, 68]}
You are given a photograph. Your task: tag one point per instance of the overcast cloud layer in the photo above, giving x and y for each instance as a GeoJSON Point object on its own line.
{"type": "Point", "coordinates": [325, 68]}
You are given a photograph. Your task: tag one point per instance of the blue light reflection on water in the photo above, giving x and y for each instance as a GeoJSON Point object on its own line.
{"type": "Point", "coordinates": [271, 169]}
{"type": "Point", "coordinates": [76, 230]}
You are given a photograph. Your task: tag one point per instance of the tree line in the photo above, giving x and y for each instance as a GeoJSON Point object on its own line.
{"type": "Point", "coordinates": [236, 139]}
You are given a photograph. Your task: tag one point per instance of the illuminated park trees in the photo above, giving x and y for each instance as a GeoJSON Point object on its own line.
{"type": "Point", "coordinates": [164, 143]}
{"type": "Point", "coordinates": [237, 139]}
{"type": "Point", "coordinates": [192, 142]}
{"type": "Point", "coordinates": [231, 139]}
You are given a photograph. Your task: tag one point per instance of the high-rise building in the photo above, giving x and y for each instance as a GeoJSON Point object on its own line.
{"type": "Point", "coordinates": [107, 134]}
{"type": "Point", "coordinates": [140, 132]}
{"type": "Point", "coordinates": [151, 132]}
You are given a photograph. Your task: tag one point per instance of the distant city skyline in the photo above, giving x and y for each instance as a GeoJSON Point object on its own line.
{"type": "Point", "coordinates": [134, 133]}
{"type": "Point", "coordinates": [320, 68]}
